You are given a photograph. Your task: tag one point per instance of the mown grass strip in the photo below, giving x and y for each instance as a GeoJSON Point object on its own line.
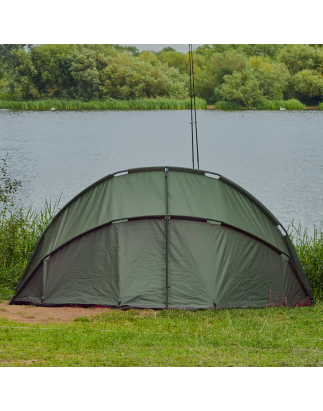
{"type": "Point", "coordinates": [237, 337]}
{"type": "Point", "coordinates": [111, 104]}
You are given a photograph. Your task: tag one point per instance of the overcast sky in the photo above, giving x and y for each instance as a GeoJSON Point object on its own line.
{"type": "Point", "coordinates": [183, 48]}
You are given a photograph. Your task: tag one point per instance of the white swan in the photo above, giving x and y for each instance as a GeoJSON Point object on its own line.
{"type": "Point", "coordinates": [52, 109]}
{"type": "Point", "coordinates": [281, 108]}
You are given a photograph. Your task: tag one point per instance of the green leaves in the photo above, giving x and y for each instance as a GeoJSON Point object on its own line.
{"type": "Point", "coordinates": [308, 82]}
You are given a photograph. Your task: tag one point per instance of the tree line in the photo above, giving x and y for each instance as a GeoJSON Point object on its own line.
{"type": "Point", "coordinates": [241, 73]}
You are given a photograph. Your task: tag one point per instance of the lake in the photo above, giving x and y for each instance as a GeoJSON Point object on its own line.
{"type": "Point", "coordinates": [276, 156]}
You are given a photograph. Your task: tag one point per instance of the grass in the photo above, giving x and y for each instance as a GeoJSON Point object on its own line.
{"type": "Point", "coordinates": [238, 337]}
{"type": "Point", "coordinates": [310, 253]}
{"type": "Point", "coordinates": [292, 104]}
{"type": "Point", "coordinates": [19, 232]}
{"type": "Point", "coordinates": [139, 104]}
{"type": "Point", "coordinates": [228, 105]}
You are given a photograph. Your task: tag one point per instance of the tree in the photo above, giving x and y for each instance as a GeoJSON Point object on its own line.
{"type": "Point", "coordinates": [54, 78]}
{"type": "Point", "coordinates": [273, 77]}
{"type": "Point", "coordinates": [22, 82]}
{"type": "Point", "coordinates": [149, 56]}
{"type": "Point", "coordinates": [298, 57]}
{"type": "Point", "coordinates": [130, 49]}
{"type": "Point", "coordinates": [242, 88]}
{"type": "Point", "coordinates": [83, 69]}
{"type": "Point", "coordinates": [6, 52]}
{"type": "Point", "coordinates": [127, 77]}
{"type": "Point", "coordinates": [309, 83]}
{"type": "Point", "coordinates": [214, 70]}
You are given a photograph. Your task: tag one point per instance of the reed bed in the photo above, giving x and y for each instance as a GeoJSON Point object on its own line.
{"type": "Point", "coordinates": [19, 232]}
{"type": "Point", "coordinates": [292, 104]}
{"type": "Point", "coordinates": [111, 104]}
{"type": "Point", "coordinates": [228, 105]}
{"type": "Point", "coordinates": [310, 253]}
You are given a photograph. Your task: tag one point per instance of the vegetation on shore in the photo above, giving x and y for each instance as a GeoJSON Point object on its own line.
{"type": "Point", "coordinates": [251, 75]}
{"type": "Point", "coordinates": [276, 336]}
{"type": "Point", "coordinates": [111, 104]}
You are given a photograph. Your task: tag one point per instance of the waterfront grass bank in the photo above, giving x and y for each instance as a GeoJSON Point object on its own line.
{"type": "Point", "coordinates": [270, 337]}
{"type": "Point", "coordinates": [139, 104]}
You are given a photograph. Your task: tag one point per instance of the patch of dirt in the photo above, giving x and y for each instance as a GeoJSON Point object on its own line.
{"type": "Point", "coordinates": [44, 315]}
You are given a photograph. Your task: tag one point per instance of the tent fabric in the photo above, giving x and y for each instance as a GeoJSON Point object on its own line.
{"type": "Point", "coordinates": [163, 237]}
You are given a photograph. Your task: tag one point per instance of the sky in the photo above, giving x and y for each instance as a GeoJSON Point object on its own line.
{"type": "Point", "coordinates": [183, 48]}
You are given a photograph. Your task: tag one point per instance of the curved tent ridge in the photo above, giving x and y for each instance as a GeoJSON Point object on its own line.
{"type": "Point", "coordinates": [178, 169]}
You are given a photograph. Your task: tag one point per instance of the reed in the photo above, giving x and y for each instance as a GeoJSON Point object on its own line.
{"type": "Point", "coordinates": [292, 104]}
{"type": "Point", "coordinates": [321, 106]}
{"type": "Point", "coordinates": [228, 105]}
{"type": "Point", "coordinates": [19, 232]}
{"type": "Point", "coordinates": [111, 104]}
{"type": "Point", "coordinates": [310, 253]}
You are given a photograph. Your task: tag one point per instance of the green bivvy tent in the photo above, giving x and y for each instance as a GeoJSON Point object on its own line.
{"type": "Point", "coordinates": [164, 237]}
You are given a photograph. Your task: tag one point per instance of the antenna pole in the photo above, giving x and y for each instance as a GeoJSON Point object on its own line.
{"type": "Point", "coordinates": [191, 95]}
{"type": "Point", "coordinates": [196, 140]}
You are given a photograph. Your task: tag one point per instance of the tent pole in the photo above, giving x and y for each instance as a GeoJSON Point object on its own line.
{"type": "Point", "coordinates": [167, 218]}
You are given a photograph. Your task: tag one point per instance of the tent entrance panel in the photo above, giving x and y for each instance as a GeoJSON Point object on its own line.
{"type": "Point", "coordinates": [192, 260]}
{"type": "Point", "coordinates": [32, 292]}
{"type": "Point", "coordinates": [85, 271]}
{"type": "Point", "coordinates": [216, 266]}
{"type": "Point", "coordinates": [141, 260]}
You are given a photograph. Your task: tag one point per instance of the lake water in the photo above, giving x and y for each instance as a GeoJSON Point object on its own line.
{"type": "Point", "coordinates": [276, 156]}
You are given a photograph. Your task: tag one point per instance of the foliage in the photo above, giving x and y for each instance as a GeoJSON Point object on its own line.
{"type": "Point", "coordinates": [272, 337]}
{"type": "Point", "coordinates": [8, 186]}
{"type": "Point", "coordinates": [310, 253]}
{"type": "Point", "coordinates": [109, 71]}
{"type": "Point", "coordinates": [228, 105]}
{"type": "Point", "coordinates": [24, 76]}
{"type": "Point", "coordinates": [308, 82]}
{"type": "Point", "coordinates": [216, 68]}
{"type": "Point", "coordinates": [110, 104]}
{"type": "Point", "coordinates": [83, 69]}
{"type": "Point", "coordinates": [273, 77]}
{"type": "Point", "coordinates": [298, 57]}
{"type": "Point", "coordinates": [292, 104]}
{"type": "Point", "coordinates": [242, 88]}
{"type": "Point", "coordinates": [130, 49]}
{"type": "Point", "coordinates": [129, 78]}
{"type": "Point", "coordinates": [20, 230]}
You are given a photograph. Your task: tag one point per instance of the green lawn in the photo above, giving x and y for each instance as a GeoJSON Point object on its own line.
{"type": "Point", "coordinates": [237, 337]}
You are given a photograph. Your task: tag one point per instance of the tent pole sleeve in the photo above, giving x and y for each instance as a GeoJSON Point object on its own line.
{"type": "Point", "coordinates": [167, 218]}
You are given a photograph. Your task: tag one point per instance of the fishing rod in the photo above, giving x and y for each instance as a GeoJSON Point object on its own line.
{"type": "Point", "coordinates": [193, 104]}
